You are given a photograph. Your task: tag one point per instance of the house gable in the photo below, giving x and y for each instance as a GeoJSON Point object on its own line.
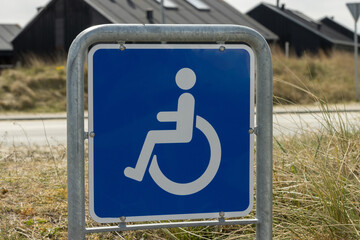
{"type": "Point", "coordinates": [302, 32]}
{"type": "Point", "coordinates": [60, 21]}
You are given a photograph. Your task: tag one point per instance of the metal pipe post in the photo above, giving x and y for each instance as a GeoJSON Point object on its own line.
{"type": "Point", "coordinates": [162, 12]}
{"type": "Point", "coordinates": [356, 62]}
{"type": "Point", "coordinates": [75, 144]}
{"type": "Point", "coordinates": [264, 161]}
{"type": "Point", "coordinates": [169, 33]}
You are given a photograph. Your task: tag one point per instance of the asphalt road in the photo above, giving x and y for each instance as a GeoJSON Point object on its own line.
{"type": "Point", "coordinates": [29, 130]}
{"type": "Point", "coordinates": [33, 132]}
{"type": "Point", "coordinates": [289, 124]}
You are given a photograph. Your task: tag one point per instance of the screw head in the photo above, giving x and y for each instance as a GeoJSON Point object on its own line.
{"type": "Point", "coordinates": [92, 134]}
{"type": "Point", "coordinates": [222, 48]}
{"type": "Point", "coordinates": [221, 214]}
{"type": "Point", "coordinates": [123, 218]}
{"type": "Point", "coordinates": [122, 47]}
{"type": "Point", "coordinates": [251, 131]}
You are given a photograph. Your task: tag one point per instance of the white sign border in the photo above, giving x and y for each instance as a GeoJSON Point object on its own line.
{"type": "Point", "coordinates": [91, 129]}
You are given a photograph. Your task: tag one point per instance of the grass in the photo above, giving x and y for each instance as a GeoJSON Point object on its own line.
{"type": "Point", "coordinates": [33, 193]}
{"type": "Point", "coordinates": [41, 88]}
{"type": "Point", "coordinates": [316, 191]}
{"type": "Point", "coordinates": [317, 186]}
{"type": "Point", "coordinates": [40, 85]}
{"type": "Point", "coordinates": [303, 80]}
{"type": "Point", "coordinates": [316, 173]}
{"type": "Point", "coordinates": [34, 205]}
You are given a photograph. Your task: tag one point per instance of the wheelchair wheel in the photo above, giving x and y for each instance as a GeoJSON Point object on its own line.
{"type": "Point", "coordinates": [195, 186]}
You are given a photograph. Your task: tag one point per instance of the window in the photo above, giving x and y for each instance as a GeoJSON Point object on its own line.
{"type": "Point", "coordinates": [168, 4]}
{"type": "Point", "coordinates": [199, 5]}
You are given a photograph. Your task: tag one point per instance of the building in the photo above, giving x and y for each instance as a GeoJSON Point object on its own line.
{"type": "Point", "coordinates": [7, 34]}
{"type": "Point", "coordinates": [59, 22]}
{"type": "Point", "coordinates": [302, 32]}
{"type": "Point", "coordinates": [331, 23]}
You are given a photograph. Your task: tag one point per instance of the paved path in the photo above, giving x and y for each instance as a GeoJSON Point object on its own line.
{"type": "Point", "coordinates": [30, 132]}
{"type": "Point", "coordinates": [44, 129]}
{"type": "Point", "coordinates": [292, 124]}
{"type": "Point", "coordinates": [302, 119]}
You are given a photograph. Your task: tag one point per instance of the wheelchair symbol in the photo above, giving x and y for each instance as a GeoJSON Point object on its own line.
{"type": "Point", "coordinates": [184, 118]}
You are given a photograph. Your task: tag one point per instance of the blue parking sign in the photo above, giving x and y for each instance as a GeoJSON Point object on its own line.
{"type": "Point", "coordinates": [170, 131]}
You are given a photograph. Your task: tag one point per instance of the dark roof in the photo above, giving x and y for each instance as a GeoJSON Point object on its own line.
{"type": "Point", "coordinates": [312, 25]}
{"type": "Point", "coordinates": [134, 11]}
{"type": "Point", "coordinates": [331, 23]}
{"type": "Point", "coordinates": [7, 34]}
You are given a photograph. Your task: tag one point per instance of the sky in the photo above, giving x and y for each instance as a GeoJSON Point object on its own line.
{"type": "Point", "coordinates": [22, 11]}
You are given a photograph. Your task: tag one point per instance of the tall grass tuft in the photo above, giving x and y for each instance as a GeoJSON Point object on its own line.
{"type": "Point", "coordinates": [316, 192]}
{"type": "Point", "coordinates": [303, 80]}
{"type": "Point", "coordinates": [40, 85]}
{"type": "Point", "coordinates": [317, 179]}
{"type": "Point", "coordinates": [317, 186]}
{"type": "Point", "coordinates": [37, 86]}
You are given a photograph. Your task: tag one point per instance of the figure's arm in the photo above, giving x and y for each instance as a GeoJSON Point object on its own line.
{"type": "Point", "coordinates": [167, 116]}
{"type": "Point", "coordinates": [186, 105]}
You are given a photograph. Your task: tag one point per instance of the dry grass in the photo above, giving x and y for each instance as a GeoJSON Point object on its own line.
{"type": "Point", "coordinates": [37, 86]}
{"type": "Point", "coordinates": [40, 85]}
{"type": "Point", "coordinates": [34, 205]}
{"type": "Point", "coordinates": [316, 191]}
{"type": "Point", "coordinates": [299, 80]}
{"type": "Point", "coordinates": [33, 193]}
{"type": "Point", "coordinates": [317, 185]}
{"type": "Point", "coordinates": [316, 175]}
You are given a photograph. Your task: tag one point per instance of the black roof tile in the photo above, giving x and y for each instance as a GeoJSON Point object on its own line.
{"type": "Point", "coordinates": [331, 23]}
{"type": "Point", "coordinates": [312, 25]}
{"type": "Point", "coordinates": [134, 11]}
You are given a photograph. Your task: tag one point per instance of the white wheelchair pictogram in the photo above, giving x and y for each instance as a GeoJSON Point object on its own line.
{"type": "Point", "coordinates": [184, 118]}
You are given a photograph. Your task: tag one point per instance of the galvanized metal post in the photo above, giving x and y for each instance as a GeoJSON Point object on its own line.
{"type": "Point", "coordinates": [356, 62]}
{"type": "Point", "coordinates": [162, 12]}
{"type": "Point", "coordinates": [355, 12]}
{"type": "Point", "coordinates": [264, 121]}
{"type": "Point", "coordinates": [75, 144]}
{"type": "Point", "coordinates": [168, 33]}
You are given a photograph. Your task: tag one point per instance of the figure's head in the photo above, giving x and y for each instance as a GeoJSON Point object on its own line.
{"type": "Point", "coordinates": [185, 78]}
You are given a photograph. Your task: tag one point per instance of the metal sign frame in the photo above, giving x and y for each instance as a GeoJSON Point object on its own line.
{"type": "Point", "coordinates": [120, 33]}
